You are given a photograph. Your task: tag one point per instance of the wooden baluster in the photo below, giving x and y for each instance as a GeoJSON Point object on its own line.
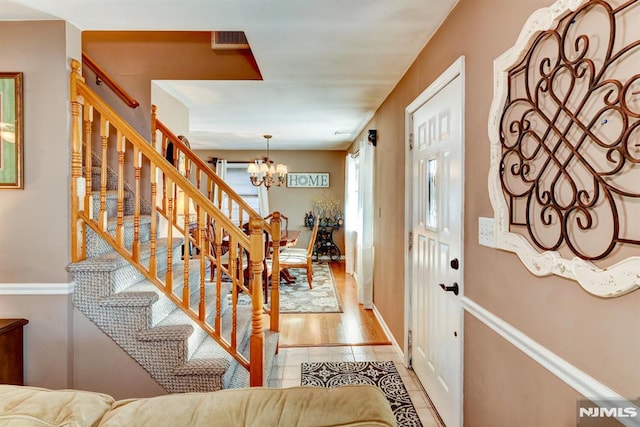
{"type": "Point", "coordinates": [164, 177]}
{"type": "Point", "coordinates": [153, 176]}
{"type": "Point", "coordinates": [88, 162]}
{"type": "Point", "coordinates": [218, 249]}
{"type": "Point", "coordinates": [198, 209]}
{"type": "Point", "coordinates": [210, 189]}
{"type": "Point", "coordinates": [137, 168]}
{"type": "Point", "coordinates": [219, 197]}
{"type": "Point", "coordinates": [154, 126]}
{"type": "Point", "coordinates": [186, 249]}
{"type": "Point", "coordinates": [275, 273]}
{"type": "Point", "coordinates": [120, 214]}
{"type": "Point", "coordinates": [236, 268]}
{"type": "Point", "coordinates": [104, 138]}
{"type": "Point", "coordinates": [78, 231]}
{"type": "Point", "coordinates": [187, 167]}
{"type": "Point", "coordinates": [169, 276]}
{"type": "Point", "coordinates": [256, 343]}
{"type": "Point", "coordinates": [202, 315]}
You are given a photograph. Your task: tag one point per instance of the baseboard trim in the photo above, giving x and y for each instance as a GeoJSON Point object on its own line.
{"type": "Point", "coordinates": [387, 331]}
{"type": "Point", "coordinates": [565, 371]}
{"type": "Point", "coordinates": [36, 288]}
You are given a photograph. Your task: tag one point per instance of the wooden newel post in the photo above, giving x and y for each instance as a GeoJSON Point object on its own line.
{"type": "Point", "coordinates": [275, 272]}
{"type": "Point", "coordinates": [256, 250]}
{"type": "Point", "coordinates": [77, 181]}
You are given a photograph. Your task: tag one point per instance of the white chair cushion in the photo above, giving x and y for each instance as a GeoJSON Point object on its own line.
{"type": "Point", "coordinates": [297, 251]}
{"type": "Point", "coordinates": [290, 258]}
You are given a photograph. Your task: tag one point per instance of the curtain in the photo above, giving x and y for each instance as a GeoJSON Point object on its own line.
{"type": "Point", "coordinates": [351, 211]}
{"type": "Point", "coordinates": [364, 264]}
{"type": "Point", "coordinates": [221, 171]}
{"type": "Point", "coordinates": [221, 168]}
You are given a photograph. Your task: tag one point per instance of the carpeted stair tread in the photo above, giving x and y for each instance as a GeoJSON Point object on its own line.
{"type": "Point", "coordinates": [216, 366]}
{"type": "Point", "coordinates": [113, 260]}
{"type": "Point", "coordinates": [127, 220]}
{"type": "Point", "coordinates": [177, 332]}
{"type": "Point", "coordinates": [130, 299]}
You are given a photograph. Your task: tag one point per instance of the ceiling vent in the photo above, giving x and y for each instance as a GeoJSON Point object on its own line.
{"type": "Point", "coordinates": [229, 40]}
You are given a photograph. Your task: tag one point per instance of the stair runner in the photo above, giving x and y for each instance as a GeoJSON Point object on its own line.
{"type": "Point", "coordinates": [146, 324]}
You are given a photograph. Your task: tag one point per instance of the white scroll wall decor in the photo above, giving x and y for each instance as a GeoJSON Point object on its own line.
{"type": "Point", "coordinates": [565, 145]}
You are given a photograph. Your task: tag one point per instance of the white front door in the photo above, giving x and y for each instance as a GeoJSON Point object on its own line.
{"type": "Point", "coordinates": [436, 162]}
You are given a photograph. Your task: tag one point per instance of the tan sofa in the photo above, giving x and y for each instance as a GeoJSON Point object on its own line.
{"type": "Point", "coordinates": [357, 405]}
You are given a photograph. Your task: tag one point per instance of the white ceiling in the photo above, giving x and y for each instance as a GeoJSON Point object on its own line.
{"type": "Point", "coordinates": [327, 65]}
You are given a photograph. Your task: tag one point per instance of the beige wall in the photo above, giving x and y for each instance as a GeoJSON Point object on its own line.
{"type": "Point", "coordinates": [39, 50]}
{"type": "Point", "coordinates": [294, 202]}
{"type": "Point", "coordinates": [175, 115]}
{"type": "Point", "coordinates": [591, 333]}
{"type": "Point", "coordinates": [100, 365]}
{"type": "Point", "coordinates": [47, 337]}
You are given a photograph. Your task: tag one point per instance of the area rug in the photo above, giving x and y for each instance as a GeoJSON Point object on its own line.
{"type": "Point", "coordinates": [383, 375]}
{"type": "Point", "coordinates": [298, 298]}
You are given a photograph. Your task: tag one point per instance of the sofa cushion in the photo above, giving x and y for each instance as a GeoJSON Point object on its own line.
{"type": "Point", "coordinates": [357, 405]}
{"type": "Point", "coordinates": [22, 406]}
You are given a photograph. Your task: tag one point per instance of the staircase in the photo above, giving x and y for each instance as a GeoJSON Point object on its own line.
{"type": "Point", "coordinates": [157, 305]}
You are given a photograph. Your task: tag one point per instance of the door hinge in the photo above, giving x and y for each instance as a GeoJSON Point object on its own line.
{"type": "Point", "coordinates": [410, 240]}
{"type": "Point", "coordinates": [410, 345]}
{"type": "Point", "coordinates": [410, 141]}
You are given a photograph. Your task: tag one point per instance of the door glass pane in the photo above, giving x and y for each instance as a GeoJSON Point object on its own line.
{"type": "Point", "coordinates": [432, 196]}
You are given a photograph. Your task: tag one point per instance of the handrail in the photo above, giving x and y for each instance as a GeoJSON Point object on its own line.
{"type": "Point", "coordinates": [103, 76]}
{"type": "Point", "coordinates": [117, 135]}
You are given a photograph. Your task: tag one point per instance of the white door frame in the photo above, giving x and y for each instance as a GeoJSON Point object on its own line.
{"type": "Point", "coordinates": [456, 69]}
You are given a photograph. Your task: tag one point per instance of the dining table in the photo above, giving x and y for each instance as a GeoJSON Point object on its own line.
{"type": "Point", "coordinates": [288, 238]}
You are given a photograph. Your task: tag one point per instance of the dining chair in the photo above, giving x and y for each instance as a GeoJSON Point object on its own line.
{"type": "Point", "coordinates": [284, 222]}
{"type": "Point", "coordinates": [300, 257]}
{"type": "Point", "coordinates": [224, 256]}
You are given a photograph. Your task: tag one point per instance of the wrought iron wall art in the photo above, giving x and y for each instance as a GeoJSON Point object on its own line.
{"type": "Point", "coordinates": [565, 134]}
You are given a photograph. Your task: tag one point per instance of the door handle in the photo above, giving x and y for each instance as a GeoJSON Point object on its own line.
{"type": "Point", "coordinates": [453, 288]}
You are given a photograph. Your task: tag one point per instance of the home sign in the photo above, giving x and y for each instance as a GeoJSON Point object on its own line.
{"type": "Point", "coordinates": [308, 179]}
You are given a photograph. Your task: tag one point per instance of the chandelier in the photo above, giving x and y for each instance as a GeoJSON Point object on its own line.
{"type": "Point", "coordinates": [265, 172]}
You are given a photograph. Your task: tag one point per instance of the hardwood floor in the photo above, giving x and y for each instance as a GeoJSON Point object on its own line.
{"type": "Point", "coordinates": [354, 326]}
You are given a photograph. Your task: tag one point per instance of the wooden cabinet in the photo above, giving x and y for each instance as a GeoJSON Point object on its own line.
{"type": "Point", "coordinates": [11, 351]}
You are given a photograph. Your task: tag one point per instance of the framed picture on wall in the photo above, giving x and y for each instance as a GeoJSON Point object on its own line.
{"type": "Point", "coordinates": [11, 131]}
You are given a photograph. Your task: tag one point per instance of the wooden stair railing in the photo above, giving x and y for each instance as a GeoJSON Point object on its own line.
{"type": "Point", "coordinates": [222, 196]}
{"type": "Point", "coordinates": [90, 112]}
{"type": "Point", "coordinates": [103, 77]}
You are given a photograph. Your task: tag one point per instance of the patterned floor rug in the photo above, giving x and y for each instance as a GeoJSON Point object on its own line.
{"type": "Point", "coordinates": [383, 375]}
{"type": "Point", "coordinates": [298, 298]}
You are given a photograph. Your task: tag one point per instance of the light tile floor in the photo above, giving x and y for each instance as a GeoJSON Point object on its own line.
{"type": "Point", "coordinates": [287, 371]}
